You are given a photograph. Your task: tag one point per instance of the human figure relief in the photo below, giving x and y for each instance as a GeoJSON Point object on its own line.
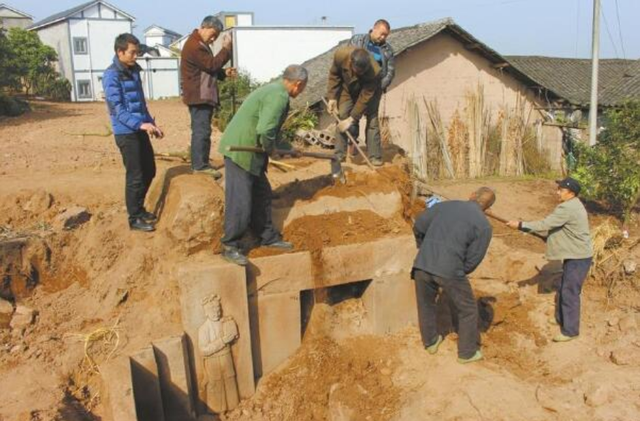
{"type": "Point", "coordinates": [215, 336]}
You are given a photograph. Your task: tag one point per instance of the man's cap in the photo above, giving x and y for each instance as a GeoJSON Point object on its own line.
{"type": "Point", "coordinates": [570, 184]}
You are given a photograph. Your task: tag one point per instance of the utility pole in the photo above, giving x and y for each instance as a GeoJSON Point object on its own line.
{"type": "Point", "coordinates": [595, 53]}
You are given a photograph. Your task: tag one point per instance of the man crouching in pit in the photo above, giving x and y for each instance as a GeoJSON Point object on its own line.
{"type": "Point", "coordinates": [452, 239]}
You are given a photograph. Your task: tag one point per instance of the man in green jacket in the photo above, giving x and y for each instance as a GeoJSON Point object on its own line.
{"type": "Point", "coordinates": [247, 189]}
{"type": "Point", "coordinates": [568, 240]}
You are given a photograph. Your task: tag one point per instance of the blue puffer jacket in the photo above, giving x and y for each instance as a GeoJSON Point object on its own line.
{"type": "Point", "coordinates": [125, 98]}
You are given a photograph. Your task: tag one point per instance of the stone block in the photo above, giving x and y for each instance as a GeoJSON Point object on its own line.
{"type": "Point", "coordinates": [386, 205]}
{"type": "Point", "coordinates": [175, 378]}
{"type": "Point", "coordinates": [117, 390]}
{"type": "Point", "coordinates": [215, 276]}
{"type": "Point", "coordinates": [276, 329]}
{"type": "Point", "coordinates": [146, 385]}
{"type": "Point", "coordinates": [23, 317]}
{"type": "Point", "coordinates": [72, 218]}
{"type": "Point", "coordinates": [391, 303]}
{"type": "Point", "coordinates": [6, 312]}
{"type": "Point", "coordinates": [281, 273]}
{"type": "Point", "coordinates": [354, 262]}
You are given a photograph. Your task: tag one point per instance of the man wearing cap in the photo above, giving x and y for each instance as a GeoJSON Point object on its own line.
{"type": "Point", "coordinates": [568, 240]}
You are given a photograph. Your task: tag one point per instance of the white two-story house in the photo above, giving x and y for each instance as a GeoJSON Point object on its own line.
{"type": "Point", "coordinates": [83, 37]}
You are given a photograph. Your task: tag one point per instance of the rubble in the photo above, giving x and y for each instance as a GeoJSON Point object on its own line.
{"type": "Point", "coordinates": [72, 217]}
{"type": "Point", "coordinates": [6, 311]}
{"type": "Point", "coordinates": [23, 317]}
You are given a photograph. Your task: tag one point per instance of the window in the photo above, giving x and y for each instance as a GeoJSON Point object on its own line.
{"type": "Point", "coordinates": [84, 89]}
{"type": "Point", "coordinates": [229, 21]}
{"type": "Point", "coordinates": [80, 46]}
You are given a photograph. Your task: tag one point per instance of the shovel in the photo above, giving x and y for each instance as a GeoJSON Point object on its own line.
{"type": "Point", "coordinates": [336, 166]}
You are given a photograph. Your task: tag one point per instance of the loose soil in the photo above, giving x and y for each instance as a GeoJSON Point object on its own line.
{"type": "Point", "coordinates": [101, 275]}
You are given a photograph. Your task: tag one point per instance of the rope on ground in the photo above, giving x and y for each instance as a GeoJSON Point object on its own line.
{"type": "Point", "coordinates": [100, 341]}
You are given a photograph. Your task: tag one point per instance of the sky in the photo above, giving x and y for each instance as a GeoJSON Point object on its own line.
{"type": "Point", "coordinates": [559, 28]}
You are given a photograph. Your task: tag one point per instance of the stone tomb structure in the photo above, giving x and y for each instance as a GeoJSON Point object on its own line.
{"type": "Point", "coordinates": [240, 324]}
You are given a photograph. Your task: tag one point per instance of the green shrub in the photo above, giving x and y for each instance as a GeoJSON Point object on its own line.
{"type": "Point", "coordinates": [12, 107]}
{"type": "Point", "coordinates": [232, 92]}
{"type": "Point", "coordinates": [610, 171]}
{"type": "Point", "coordinates": [54, 87]}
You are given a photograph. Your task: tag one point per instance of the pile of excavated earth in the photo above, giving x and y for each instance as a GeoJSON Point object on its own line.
{"type": "Point", "coordinates": [79, 290]}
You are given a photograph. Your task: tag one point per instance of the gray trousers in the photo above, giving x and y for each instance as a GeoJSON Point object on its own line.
{"type": "Point", "coordinates": [247, 204]}
{"type": "Point", "coordinates": [463, 304]}
{"type": "Point", "coordinates": [201, 116]}
{"type": "Point", "coordinates": [574, 273]}
{"type": "Point", "coordinates": [345, 106]}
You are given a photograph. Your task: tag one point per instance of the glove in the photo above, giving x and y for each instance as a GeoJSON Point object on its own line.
{"type": "Point", "coordinates": [332, 106]}
{"type": "Point", "coordinates": [344, 125]}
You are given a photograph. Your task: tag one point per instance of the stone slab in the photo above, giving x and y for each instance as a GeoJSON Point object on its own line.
{"type": "Point", "coordinates": [282, 273]}
{"type": "Point", "coordinates": [175, 378]}
{"type": "Point", "coordinates": [214, 276]}
{"type": "Point", "coordinates": [359, 262]}
{"type": "Point", "coordinates": [391, 303]}
{"type": "Point", "coordinates": [146, 385]}
{"type": "Point", "coordinates": [117, 390]}
{"type": "Point", "coordinates": [276, 330]}
{"type": "Point", "coordinates": [386, 205]}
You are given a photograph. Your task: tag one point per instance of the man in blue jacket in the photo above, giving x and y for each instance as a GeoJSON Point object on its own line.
{"type": "Point", "coordinates": [452, 238]}
{"type": "Point", "coordinates": [132, 127]}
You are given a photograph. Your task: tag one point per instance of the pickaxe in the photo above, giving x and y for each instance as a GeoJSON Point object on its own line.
{"type": "Point", "coordinates": [351, 139]}
{"type": "Point", "coordinates": [336, 166]}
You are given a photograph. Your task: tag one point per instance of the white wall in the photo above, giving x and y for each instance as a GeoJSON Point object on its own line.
{"type": "Point", "coordinates": [244, 19]}
{"type": "Point", "coordinates": [57, 37]}
{"type": "Point", "coordinates": [100, 36]}
{"type": "Point", "coordinates": [160, 77]}
{"type": "Point", "coordinates": [264, 52]}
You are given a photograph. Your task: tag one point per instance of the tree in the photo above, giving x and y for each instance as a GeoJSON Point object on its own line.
{"type": "Point", "coordinates": [610, 170]}
{"type": "Point", "coordinates": [8, 72]}
{"type": "Point", "coordinates": [33, 60]}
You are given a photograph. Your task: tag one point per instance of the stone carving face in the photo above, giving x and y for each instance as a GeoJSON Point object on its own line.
{"type": "Point", "coordinates": [213, 310]}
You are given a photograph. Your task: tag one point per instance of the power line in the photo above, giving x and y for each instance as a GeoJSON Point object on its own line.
{"type": "Point", "coordinates": [606, 24]}
{"type": "Point", "coordinates": [577, 26]}
{"type": "Point", "coordinates": [624, 53]}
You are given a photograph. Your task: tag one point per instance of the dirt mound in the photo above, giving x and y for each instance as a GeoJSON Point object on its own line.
{"type": "Point", "coordinates": [329, 378]}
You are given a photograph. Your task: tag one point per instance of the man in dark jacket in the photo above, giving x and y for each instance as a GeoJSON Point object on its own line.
{"type": "Point", "coordinates": [353, 86]}
{"type": "Point", "coordinates": [375, 42]}
{"type": "Point", "coordinates": [200, 70]}
{"type": "Point", "coordinates": [452, 238]}
{"type": "Point", "coordinates": [132, 126]}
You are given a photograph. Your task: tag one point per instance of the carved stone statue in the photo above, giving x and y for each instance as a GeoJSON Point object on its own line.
{"type": "Point", "coordinates": [215, 336]}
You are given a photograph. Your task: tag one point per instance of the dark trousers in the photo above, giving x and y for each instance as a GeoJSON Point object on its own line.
{"type": "Point", "coordinates": [574, 273]}
{"type": "Point", "coordinates": [137, 156]}
{"type": "Point", "coordinates": [463, 304]}
{"type": "Point", "coordinates": [201, 116]}
{"type": "Point", "coordinates": [247, 204]}
{"type": "Point", "coordinates": [345, 106]}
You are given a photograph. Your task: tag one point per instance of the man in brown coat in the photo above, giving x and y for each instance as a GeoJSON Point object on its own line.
{"type": "Point", "coordinates": [353, 91]}
{"type": "Point", "coordinates": [200, 70]}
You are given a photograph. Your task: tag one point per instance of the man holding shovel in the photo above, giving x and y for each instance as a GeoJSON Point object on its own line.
{"type": "Point", "coordinates": [354, 91]}
{"type": "Point", "coordinates": [247, 189]}
{"type": "Point", "coordinates": [569, 240]}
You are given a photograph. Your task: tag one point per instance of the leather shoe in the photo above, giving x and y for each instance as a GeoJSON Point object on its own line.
{"type": "Point", "coordinates": [210, 171]}
{"type": "Point", "coordinates": [149, 217]}
{"type": "Point", "coordinates": [140, 224]}
{"type": "Point", "coordinates": [234, 255]}
{"type": "Point", "coordinates": [280, 244]}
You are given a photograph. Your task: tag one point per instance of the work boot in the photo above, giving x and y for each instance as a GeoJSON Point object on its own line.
{"type": "Point", "coordinates": [476, 357]}
{"type": "Point", "coordinates": [149, 217]}
{"type": "Point", "coordinates": [433, 348]}
{"type": "Point", "coordinates": [563, 338]}
{"type": "Point", "coordinates": [552, 321]}
{"type": "Point", "coordinates": [376, 162]}
{"type": "Point", "coordinates": [210, 171]}
{"type": "Point", "coordinates": [234, 255]}
{"type": "Point", "coordinates": [139, 224]}
{"type": "Point", "coordinates": [280, 244]}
